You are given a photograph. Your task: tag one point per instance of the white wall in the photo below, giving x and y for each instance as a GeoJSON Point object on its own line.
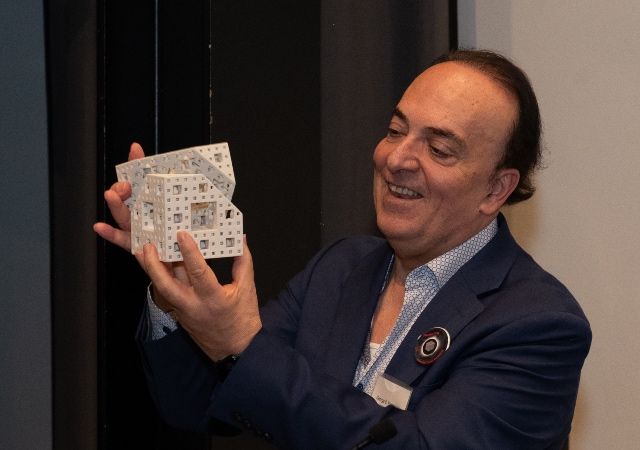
{"type": "Point", "coordinates": [583, 59]}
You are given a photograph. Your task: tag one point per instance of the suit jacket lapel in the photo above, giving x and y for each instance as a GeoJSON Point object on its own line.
{"type": "Point", "coordinates": [457, 302]}
{"type": "Point", "coordinates": [354, 312]}
{"type": "Point", "coordinates": [452, 308]}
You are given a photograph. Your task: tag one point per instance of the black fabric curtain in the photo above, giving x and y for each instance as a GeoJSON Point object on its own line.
{"type": "Point", "coordinates": [302, 91]}
{"type": "Point", "coordinates": [371, 51]}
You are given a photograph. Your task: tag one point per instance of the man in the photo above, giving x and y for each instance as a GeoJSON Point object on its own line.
{"type": "Point", "coordinates": [501, 341]}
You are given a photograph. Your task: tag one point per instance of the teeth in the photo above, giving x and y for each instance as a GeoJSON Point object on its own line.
{"type": "Point", "coordinates": [403, 190]}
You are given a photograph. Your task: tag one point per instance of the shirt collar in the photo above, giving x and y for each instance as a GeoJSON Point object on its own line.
{"type": "Point", "coordinates": [446, 265]}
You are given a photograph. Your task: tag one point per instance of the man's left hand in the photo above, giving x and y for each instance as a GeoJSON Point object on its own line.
{"type": "Point", "coordinates": [221, 319]}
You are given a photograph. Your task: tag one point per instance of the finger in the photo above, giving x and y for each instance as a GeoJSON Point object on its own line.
{"type": "Point", "coordinates": [161, 303]}
{"type": "Point", "coordinates": [243, 265]}
{"type": "Point", "coordinates": [177, 272]}
{"type": "Point", "coordinates": [135, 151]}
{"type": "Point", "coordinates": [180, 272]}
{"type": "Point", "coordinates": [121, 214]}
{"type": "Point", "coordinates": [122, 188]}
{"type": "Point", "coordinates": [202, 278]}
{"type": "Point", "coordinates": [175, 294]}
{"type": "Point", "coordinates": [118, 237]}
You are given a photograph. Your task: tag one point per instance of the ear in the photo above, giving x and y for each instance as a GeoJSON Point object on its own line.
{"type": "Point", "coordinates": [502, 185]}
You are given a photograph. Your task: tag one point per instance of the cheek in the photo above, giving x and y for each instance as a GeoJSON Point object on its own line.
{"type": "Point", "coordinates": [467, 193]}
{"type": "Point", "coordinates": [479, 182]}
{"type": "Point", "coordinates": [452, 187]}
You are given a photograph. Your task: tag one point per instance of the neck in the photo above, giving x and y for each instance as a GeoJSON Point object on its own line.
{"type": "Point", "coordinates": [401, 268]}
{"type": "Point", "coordinates": [408, 255]}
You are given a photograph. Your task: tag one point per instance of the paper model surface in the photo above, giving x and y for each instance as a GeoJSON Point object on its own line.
{"type": "Point", "coordinates": [188, 189]}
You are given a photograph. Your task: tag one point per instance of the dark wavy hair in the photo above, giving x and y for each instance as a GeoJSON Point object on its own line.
{"type": "Point", "coordinates": [523, 149]}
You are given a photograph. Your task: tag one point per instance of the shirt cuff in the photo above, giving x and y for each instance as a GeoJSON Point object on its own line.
{"type": "Point", "coordinates": [161, 322]}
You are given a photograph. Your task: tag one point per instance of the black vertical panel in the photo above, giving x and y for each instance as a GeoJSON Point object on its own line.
{"type": "Point", "coordinates": [151, 71]}
{"type": "Point", "coordinates": [266, 104]}
{"type": "Point", "coordinates": [71, 85]}
{"type": "Point", "coordinates": [453, 24]}
{"type": "Point", "coordinates": [126, 114]}
{"type": "Point", "coordinates": [183, 74]}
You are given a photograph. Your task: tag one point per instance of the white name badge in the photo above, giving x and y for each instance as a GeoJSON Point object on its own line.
{"type": "Point", "coordinates": [390, 391]}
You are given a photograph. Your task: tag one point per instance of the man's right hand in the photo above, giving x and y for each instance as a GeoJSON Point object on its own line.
{"type": "Point", "coordinates": [115, 197]}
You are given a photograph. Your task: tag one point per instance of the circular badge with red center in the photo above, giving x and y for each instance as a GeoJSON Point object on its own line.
{"type": "Point", "coordinates": [431, 345]}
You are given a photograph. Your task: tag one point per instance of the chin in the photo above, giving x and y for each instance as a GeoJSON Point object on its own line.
{"type": "Point", "coordinates": [394, 229]}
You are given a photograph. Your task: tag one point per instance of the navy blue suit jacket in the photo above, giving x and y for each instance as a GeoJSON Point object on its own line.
{"type": "Point", "coordinates": [508, 380]}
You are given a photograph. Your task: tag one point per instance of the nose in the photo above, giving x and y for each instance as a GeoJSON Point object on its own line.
{"type": "Point", "coordinates": [404, 155]}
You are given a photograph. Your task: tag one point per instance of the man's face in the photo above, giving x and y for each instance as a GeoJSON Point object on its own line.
{"type": "Point", "coordinates": [434, 178]}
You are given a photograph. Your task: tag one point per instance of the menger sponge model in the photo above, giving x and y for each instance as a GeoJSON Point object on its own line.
{"type": "Point", "coordinates": [188, 189]}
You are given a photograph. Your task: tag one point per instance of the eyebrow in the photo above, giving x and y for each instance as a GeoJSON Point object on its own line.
{"type": "Point", "coordinates": [441, 132]}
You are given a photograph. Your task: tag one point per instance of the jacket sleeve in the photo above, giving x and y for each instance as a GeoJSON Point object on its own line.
{"type": "Point", "coordinates": [181, 378]}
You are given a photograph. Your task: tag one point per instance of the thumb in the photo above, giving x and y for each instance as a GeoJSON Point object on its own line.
{"type": "Point", "coordinates": [204, 281]}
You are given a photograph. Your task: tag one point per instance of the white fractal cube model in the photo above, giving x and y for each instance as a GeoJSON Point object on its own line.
{"type": "Point", "coordinates": [188, 189]}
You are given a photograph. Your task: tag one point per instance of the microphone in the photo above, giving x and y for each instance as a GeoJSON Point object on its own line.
{"type": "Point", "coordinates": [379, 433]}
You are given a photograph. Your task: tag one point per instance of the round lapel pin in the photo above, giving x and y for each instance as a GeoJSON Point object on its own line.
{"type": "Point", "coordinates": [431, 345]}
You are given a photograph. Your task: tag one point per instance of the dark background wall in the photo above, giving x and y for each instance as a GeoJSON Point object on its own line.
{"type": "Point", "coordinates": [302, 91]}
{"type": "Point", "coordinates": [175, 75]}
{"type": "Point", "coordinates": [370, 52]}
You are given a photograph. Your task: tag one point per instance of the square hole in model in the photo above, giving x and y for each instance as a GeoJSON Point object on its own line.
{"type": "Point", "coordinates": [147, 214]}
{"type": "Point", "coordinates": [203, 215]}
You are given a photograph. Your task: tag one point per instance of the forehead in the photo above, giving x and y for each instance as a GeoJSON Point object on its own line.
{"type": "Point", "coordinates": [463, 99]}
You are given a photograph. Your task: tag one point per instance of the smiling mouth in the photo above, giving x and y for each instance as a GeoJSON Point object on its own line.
{"type": "Point", "coordinates": [403, 191]}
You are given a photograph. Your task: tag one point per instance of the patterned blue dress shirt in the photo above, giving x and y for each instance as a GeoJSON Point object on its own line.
{"type": "Point", "coordinates": [421, 285]}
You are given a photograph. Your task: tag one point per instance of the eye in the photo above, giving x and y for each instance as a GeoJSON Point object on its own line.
{"type": "Point", "coordinates": [392, 132]}
{"type": "Point", "coordinates": [440, 153]}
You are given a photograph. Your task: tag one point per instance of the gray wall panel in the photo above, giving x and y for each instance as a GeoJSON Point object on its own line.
{"type": "Point", "coordinates": [25, 333]}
